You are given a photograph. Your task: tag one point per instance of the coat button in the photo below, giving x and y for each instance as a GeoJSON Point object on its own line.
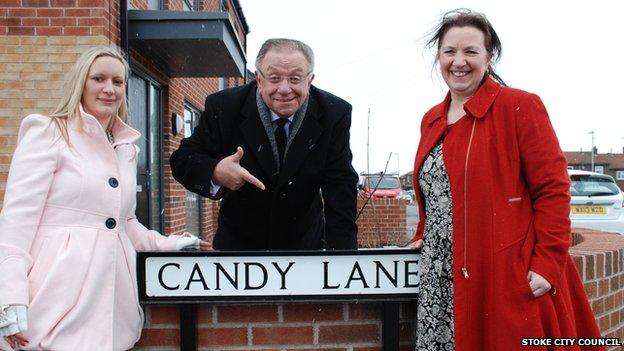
{"type": "Point", "coordinates": [111, 223]}
{"type": "Point", "coordinates": [113, 182]}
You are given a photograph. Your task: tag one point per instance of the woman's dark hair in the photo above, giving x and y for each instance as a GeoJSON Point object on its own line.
{"type": "Point", "coordinates": [467, 18]}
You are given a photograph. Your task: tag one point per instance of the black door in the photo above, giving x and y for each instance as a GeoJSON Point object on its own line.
{"type": "Point", "coordinates": [145, 115]}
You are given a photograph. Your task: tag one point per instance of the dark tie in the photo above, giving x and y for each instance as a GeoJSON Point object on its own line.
{"type": "Point", "coordinates": [280, 138]}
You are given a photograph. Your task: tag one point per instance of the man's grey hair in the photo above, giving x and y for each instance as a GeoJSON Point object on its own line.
{"type": "Point", "coordinates": [283, 43]}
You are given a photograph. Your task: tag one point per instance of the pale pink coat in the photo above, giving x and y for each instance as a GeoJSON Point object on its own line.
{"type": "Point", "coordinates": [57, 256]}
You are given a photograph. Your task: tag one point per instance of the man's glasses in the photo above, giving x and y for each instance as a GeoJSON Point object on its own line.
{"type": "Point", "coordinates": [292, 80]}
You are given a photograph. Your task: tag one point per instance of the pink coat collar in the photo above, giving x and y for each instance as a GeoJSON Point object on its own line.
{"type": "Point", "coordinates": [122, 132]}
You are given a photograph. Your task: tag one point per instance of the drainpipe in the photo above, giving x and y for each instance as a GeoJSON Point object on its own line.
{"type": "Point", "coordinates": [123, 27]}
{"type": "Point", "coordinates": [243, 22]}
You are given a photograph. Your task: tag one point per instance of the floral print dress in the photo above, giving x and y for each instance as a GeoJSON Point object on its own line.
{"type": "Point", "coordinates": [434, 329]}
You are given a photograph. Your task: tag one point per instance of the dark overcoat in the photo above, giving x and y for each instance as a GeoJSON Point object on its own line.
{"type": "Point", "coordinates": [511, 205]}
{"type": "Point", "coordinates": [309, 204]}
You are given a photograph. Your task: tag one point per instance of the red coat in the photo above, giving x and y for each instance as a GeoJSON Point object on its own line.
{"type": "Point", "coordinates": [514, 207]}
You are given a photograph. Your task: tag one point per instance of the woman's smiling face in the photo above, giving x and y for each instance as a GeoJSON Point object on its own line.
{"type": "Point", "coordinates": [464, 60]}
{"type": "Point", "coordinates": [104, 88]}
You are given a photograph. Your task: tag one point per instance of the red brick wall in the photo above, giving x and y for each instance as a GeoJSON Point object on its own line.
{"type": "Point", "coordinates": [383, 222]}
{"type": "Point", "coordinates": [599, 258]}
{"type": "Point", "coordinates": [301, 326]}
{"type": "Point", "coordinates": [57, 17]}
{"type": "Point", "coordinates": [181, 90]}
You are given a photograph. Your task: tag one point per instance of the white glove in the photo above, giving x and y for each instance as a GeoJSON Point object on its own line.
{"type": "Point", "coordinates": [187, 241]}
{"type": "Point", "coordinates": [13, 319]}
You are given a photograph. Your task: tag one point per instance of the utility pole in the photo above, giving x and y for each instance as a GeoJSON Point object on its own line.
{"type": "Point", "coordinates": [592, 150]}
{"type": "Point", "coordinates": [398, 171]}
{"type": "Point", "coordinates": [368, 143]}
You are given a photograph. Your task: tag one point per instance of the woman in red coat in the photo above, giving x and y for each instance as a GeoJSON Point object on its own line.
{"type": "Point", "coordinates": [494, 203]}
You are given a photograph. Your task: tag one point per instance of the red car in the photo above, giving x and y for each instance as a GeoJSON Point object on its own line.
{"type": "Point", "coordinates": [388, 186]}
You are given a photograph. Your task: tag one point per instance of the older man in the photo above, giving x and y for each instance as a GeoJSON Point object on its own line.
{"type": "Point", "coordinates": [277, 152]}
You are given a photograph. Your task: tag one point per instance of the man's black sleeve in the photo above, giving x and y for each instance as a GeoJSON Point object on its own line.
{"type": "Point", "coordinates": [193, 163]}
{"type": "Point", "coordinates": [339, 188]}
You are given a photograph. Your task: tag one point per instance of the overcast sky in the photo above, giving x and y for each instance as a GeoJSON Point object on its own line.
{"type": "Point", "coordinates": [372, 54]}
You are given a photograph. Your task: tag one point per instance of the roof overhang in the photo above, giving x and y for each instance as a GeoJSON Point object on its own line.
{"type": "Point", "coordinates": [188, 44]}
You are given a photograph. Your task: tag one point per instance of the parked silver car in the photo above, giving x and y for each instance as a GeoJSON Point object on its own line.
{"type": "Point", "coordinates": [597, 202]}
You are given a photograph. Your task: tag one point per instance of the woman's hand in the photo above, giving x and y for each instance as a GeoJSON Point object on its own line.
{"type": "Point", "coordinates": [415, 244]}
{"type": "Point", "coordinates": [16, 341]}
{"type": "Point", "coordinates": [205, 246]}
{"type": "Point", "coordinates": [190, 241]}
{"type": "Point", "coordinates": [539, 285]}
{"type": "Point", "coordinates": [13, 321]}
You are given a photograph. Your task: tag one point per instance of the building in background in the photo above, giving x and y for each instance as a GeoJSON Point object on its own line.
{"type": "Point", "coordinates": [179, 51]}
{"type": "Point", "coordinates": [609, 163]}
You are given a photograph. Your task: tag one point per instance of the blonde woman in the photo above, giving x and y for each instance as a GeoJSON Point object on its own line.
{"type": "Point", "coordinates": [68, 232]}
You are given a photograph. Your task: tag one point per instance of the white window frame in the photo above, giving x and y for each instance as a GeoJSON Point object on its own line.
{"type": "Point", "coordinates": [190, 5]}
{"type": "Point", "coordinates": [191, 120]}
{"type": "Point", "coordinates": [154, 5]}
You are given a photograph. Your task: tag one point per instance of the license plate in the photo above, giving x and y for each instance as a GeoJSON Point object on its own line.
{"type": "Point", "coordinates": [589, 210]}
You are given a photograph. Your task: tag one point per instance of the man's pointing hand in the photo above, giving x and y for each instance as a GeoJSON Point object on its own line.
{"type": "Point", "coordinates": [230, 174]}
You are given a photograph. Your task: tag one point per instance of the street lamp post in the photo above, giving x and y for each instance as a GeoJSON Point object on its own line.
{"type": "Point", "coordinates": [398, 170]}
{"type": "Point", "coordinates": [592, 150]}
{"type": "Point", "coordinates": [397, 157]}
{"type": "Point", "coordinates": [368, 143]}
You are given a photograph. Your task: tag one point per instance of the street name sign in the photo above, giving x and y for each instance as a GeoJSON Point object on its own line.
{"type": "Point", "coordinates": [227, 276]}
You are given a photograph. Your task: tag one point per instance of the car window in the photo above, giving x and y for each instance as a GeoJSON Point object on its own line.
{"type": "Point", "coordinates": [589, 185]}
{"type": "Point", "coordinates": [386, 183]}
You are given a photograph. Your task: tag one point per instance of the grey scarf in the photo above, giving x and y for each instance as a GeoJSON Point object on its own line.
{"type": "Point", "coordinates": [265, 117]}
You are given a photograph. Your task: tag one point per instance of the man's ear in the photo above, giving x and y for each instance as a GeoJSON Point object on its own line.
{"type": "Point", "coordinates": [258, 78]}
{"type": "Point", "coordinates": [311, 79]}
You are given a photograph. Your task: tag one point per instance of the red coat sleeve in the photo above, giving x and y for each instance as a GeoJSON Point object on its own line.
{"type": "Point", "coordinates": [544, 168]}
